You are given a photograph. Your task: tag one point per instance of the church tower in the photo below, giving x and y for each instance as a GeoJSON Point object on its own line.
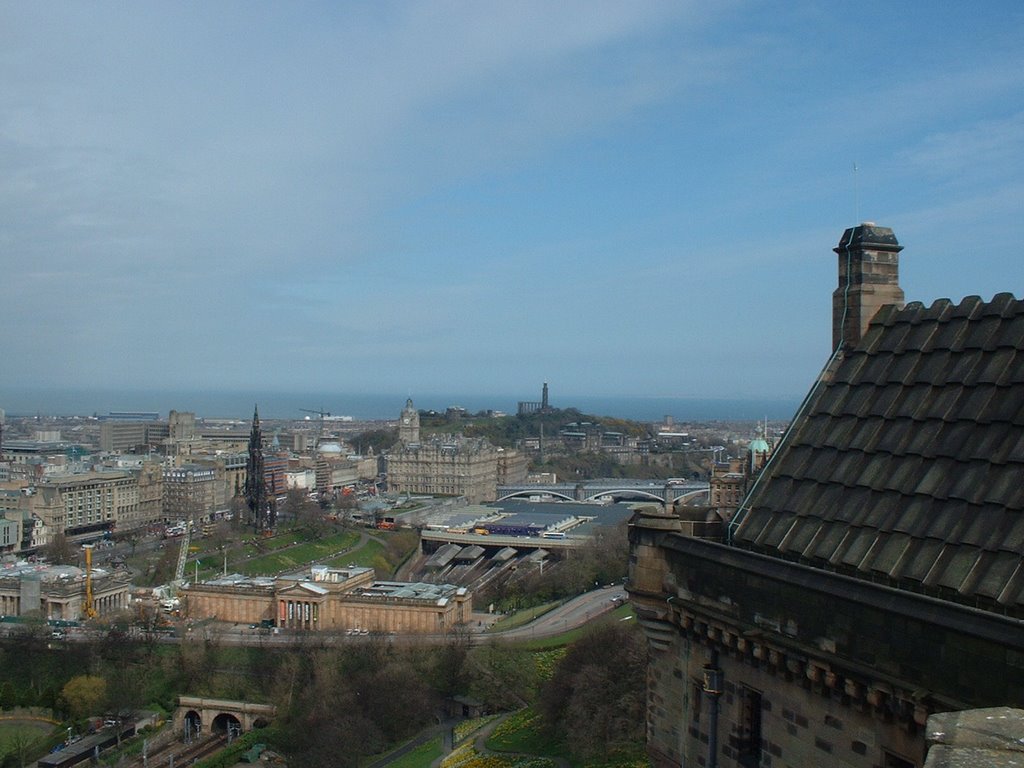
{"type": "Point", "coordinates": [409, 424]}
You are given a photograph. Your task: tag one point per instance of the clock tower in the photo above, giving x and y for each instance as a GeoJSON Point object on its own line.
{"type": "Point", "coordinates": [409, 424]}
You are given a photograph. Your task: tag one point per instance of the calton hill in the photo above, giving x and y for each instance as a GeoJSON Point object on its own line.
{"type": "Point", "coordinates": [542, 435]}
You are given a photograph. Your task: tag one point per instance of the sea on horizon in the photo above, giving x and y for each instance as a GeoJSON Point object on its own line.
{"type": "Point", "coordinates": [377, 406]}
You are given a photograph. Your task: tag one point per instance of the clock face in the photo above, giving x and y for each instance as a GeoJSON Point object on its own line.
{"type": "Point", "coordinates": [405, 420]}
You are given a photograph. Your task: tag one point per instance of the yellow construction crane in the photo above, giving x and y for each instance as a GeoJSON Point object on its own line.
{"type": "Point", "coordinates": [88, 610]}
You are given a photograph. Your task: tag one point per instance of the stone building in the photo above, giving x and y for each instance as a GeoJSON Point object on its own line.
{"type": "Point", "coordinates": [86, 503]}
{"type": "Point", "coordinates": [229, 474]}
{"type": "Point", "coordinates": [444, 465]}
{"type": "Point", "coordinates": [331, 599]}
{"type": "Point", "coordinates": [728, 485]}
{"type": "Point", "coordinates": [59, 591]}
{"type": "Point", "coordinates": [10, 534]}
{"type": "Point", "coordinates": [874, 574]}
{"type": "Point", "coordinates": [730, 480]}
{"type": "Point", "coordinates": [181, 426]}
{"type": "Point", "coordinates": [20, 529]}
{"type": "Point", "coordinates": [409, 424]}
{"type": "Point", "coordinates": [189, 493]}
{"type": "Point", "coordinates": [513, 467]}
{"type": "Point", "coordinates": [150, 479]}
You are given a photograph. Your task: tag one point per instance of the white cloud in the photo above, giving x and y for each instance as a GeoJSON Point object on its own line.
{"type": "Point", "coordinates": [991, 147]}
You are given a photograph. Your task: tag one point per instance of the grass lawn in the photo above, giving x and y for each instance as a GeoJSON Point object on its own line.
{"type": "Point", "coordinates": [280, 541]}
{"type": "Point", "coordinates": [366, 556]}
{"type": "Point", "coordinates": [297, 555]}
{"type": "Point", "coordinates": [26, 731]}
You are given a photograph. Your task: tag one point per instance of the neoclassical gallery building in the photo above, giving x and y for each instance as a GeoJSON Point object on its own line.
{"type": "Point", "coordinates": [331, 599]}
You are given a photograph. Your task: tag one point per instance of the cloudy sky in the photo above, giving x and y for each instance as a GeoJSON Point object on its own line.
{"type": "Point", "coordinates": [619, 198]}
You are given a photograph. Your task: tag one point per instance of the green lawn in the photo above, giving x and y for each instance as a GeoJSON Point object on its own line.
{"type": "Point", "coordinates": [367, 556]}
{"type": "Point", "coordinates": [17, 726]}
{"type": "Point", "coordinates": [25, 733]}
{"type": "Point", "coordinates": [279, 541]}
{"type": "Point", "coordinates": [289, 551]}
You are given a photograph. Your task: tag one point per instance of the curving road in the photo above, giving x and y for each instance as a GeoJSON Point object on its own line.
{"type": "Point", "coordinates": [570, 615]}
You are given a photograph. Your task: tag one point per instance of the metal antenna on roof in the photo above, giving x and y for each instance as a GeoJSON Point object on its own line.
{"type": "Point", "coordinates": [856, 193]}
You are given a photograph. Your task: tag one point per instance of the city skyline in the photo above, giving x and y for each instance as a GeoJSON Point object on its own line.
{"type": "Point", "coordinates": [633, 199]}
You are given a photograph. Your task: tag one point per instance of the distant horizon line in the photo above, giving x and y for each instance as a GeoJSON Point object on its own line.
{"type": "Point", "coordinates": [291, 405]}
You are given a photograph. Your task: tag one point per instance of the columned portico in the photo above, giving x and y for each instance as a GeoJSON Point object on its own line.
{"type": "Point", "coordinates": [298, 609]}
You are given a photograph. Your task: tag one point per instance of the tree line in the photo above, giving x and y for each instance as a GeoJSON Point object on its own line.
{"type": "Point", "coordinates": [337, 704]}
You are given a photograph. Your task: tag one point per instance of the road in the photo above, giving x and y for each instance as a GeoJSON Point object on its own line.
{"type": "Point", "coordinates": [570, 615]}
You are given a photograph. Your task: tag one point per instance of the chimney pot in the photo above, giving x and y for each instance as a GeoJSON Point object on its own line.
{"type": "Point", "coordinates": [869, 263]}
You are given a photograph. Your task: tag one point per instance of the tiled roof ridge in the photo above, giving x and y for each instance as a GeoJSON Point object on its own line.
{"type": "Point", "coordinates": [1003, 304]}
{"type": "Point", "coordinates": [905, 463]}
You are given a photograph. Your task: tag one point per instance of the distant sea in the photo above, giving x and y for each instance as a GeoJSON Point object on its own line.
{"type": "Point", "coordinates": [283, 405]}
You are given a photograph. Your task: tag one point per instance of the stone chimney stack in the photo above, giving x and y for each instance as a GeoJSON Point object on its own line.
{"type": "Point", "coordinates": [869, 278]}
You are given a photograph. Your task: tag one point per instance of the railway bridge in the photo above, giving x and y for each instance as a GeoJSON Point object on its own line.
{"type": "Point", "coordinates": [196, 715]}
{"type": "Point", "coordinates": [614, 488]}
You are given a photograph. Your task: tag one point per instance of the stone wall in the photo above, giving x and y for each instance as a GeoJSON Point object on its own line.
{"type": "Point", "coordinates": [817, 668]}
{"type": "Point", "coordinates": [235, 606]}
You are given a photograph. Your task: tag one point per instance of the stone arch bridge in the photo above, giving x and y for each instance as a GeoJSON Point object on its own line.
{"type": "Point", "coordinates": [203, 716]}
{"type": "Point", "coordinates": [619, 488]}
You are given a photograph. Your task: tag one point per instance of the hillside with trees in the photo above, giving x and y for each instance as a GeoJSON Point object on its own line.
{"type": "Point", "coordinates": [338, 704]}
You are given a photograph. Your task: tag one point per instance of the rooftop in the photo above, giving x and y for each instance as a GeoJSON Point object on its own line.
{"type": "Point", "coordinates": [904, 464]}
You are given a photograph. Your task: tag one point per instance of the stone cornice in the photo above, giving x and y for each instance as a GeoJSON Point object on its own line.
{"type": "Point", "coordinates": [979, 623]}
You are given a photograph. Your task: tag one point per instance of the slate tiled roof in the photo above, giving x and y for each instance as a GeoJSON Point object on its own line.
{"type": "Point", "coordinates": [906, 465]}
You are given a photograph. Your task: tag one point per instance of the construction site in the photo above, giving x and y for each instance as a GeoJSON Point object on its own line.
{"type": "Point", "coordinates": [63, 592]}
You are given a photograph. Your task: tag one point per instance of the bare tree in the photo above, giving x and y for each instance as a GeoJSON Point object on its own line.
{"type": "Point", "coordinates": [595, 699]}
{"type": "Point", "coordinates": [501, 676]}
{"type": "Point", "coordinates": [19, 743]}
{"type": "Point", "coordinates": [59, 551]}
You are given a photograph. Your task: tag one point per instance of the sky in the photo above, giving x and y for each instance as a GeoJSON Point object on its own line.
{"type": "Point", "coordinates": [618, 198]}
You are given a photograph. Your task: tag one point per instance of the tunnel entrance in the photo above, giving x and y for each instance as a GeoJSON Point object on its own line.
{"type": "Point", "coordinates": [225, 723]}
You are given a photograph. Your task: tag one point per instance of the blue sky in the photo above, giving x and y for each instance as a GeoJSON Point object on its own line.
{"type": "Point", "coordinates": [617, 198]}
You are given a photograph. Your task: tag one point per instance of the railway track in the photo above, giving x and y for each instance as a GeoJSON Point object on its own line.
{"type": "Point", "coordinates": [178, 755]}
